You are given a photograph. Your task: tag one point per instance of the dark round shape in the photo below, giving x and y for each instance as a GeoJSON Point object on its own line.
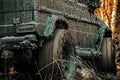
{"type": "Point", "coordinates": [55, 56]}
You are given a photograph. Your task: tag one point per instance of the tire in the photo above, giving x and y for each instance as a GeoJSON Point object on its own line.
{"type": "Point", "coordinates": [55, 56]}
{"type": "Point", "coordinates": [108, 56]}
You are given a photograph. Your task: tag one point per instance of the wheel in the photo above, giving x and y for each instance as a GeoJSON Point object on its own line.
{"type": "Point", "coordinates": [108, 56]}
{"type": "Point", "coordinates": [55, 56]}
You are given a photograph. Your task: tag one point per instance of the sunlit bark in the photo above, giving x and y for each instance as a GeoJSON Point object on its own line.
{"type": "Point", "coordinates": [107, 12]}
